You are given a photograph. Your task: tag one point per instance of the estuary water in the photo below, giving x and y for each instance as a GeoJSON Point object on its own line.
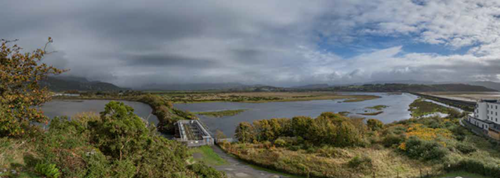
{"type": "Point", "coordinates": [398, 105]}
{"type": "Point", "coordinates": [71, 107]}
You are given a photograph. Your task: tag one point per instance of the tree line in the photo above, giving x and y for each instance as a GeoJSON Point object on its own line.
{"type": "Point", "coordinates": [327, 129]}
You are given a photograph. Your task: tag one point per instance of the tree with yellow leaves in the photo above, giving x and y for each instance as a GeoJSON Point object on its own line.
{"type": "Point", "coordinates": [20, 92]}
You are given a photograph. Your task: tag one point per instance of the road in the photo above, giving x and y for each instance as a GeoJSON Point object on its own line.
{"type": "Point", "coordinates": [238, 169]}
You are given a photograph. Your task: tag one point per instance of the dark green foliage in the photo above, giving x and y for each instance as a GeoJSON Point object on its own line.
{"type": "Point", "coordinates": [166, 113]}
{"type": "Point", "coordinates": [47, 170]}
{"type": "Point", "coordinates": [116, 144]}
{"type": "Point", "coordinates": [425, 150]}
{"type": "Point", "coordinates": [459, 132]}
{"type": "Point", "coordinates": [206, 171]}
{"type": "Point", "coordinates": [465, 148]}
{"type": "Point", "coordinates": [300, 126]}
{"type": "Point", "coordinates": [392, 140]}
{"type": "Point", "coordinates": [120, 133]}
{"type": "Point", "coordinates": [374, 124]}
{"type": "Point", "coordinates": [123, 168]}
{"type": "Point", "coordinates": [474, 166]}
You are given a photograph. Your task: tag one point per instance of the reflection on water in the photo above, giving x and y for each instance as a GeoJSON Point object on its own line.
{"type": "Point", "coordinates": [71, 107]}
{"type": "Point", "coordinates": [397, 110]}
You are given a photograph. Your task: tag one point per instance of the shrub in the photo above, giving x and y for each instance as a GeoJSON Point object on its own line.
{"type": "Point", "coordinates": [360, 162]}
{"type": "Point", "coordinates": [280, 142]}
{"type": "Point", "coordinates": [374, 124]}
{"type": "Point", "coordinates": [206, 171]}
{"type": "Point", "coordinates": [47, 170]}
{"type": "Point", "coordinates": [391, 140]}
{"type": "Point", "coordinates": [475, 166]}
{"type": "Point", "coordinates": [465, 148]}
{"type": "Point", "coordinates": [426, 150]}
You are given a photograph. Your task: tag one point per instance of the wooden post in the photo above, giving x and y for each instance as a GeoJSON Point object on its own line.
{"type": "Point", "coordinates": [420, 172]}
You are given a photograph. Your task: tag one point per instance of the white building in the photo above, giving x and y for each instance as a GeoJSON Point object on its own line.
{"type": "Point", "coordinates": [487, 117]}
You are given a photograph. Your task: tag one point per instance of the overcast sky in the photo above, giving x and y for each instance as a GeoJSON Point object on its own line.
{"type": "Point", "coordinates": [283, 43]}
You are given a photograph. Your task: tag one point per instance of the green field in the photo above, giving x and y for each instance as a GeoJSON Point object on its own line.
{"type": "Point", "coordinates": [207, 155]}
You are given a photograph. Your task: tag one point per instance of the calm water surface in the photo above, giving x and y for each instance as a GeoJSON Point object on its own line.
{"type": "Point", "coordinates": [397, 110]}
{"type": "Point", "coordinates": [71, 107]}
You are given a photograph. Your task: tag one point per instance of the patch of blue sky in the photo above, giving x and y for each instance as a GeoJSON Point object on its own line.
{"type": "Point", "coordinates": [369, 43]}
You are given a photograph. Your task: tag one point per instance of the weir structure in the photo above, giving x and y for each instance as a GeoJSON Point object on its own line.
{"type": "Point", "coordinates": [193, 133]}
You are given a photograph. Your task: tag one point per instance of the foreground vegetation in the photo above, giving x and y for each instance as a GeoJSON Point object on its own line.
{"type": "Point", "coordinates": [259, 97]}
{"type": "Point", "coordinates": [333, 145]}
{"type": "Point", "coordinates": [221, 113]}
{"type": "Point", "coordinates": [116, 143]}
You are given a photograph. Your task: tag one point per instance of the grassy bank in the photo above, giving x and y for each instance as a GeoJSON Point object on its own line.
{"type": "Point", "coordinates": [377, 107]}
{"type": "Point", "coordinates": [221, 113]}
{"type": "Point", "coordinates": [207, 155]}
{"type": "Point", "coordinates": [371, 113]}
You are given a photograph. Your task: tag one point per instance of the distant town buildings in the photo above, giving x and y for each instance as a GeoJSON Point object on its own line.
{"type": "Point", "coordinates": [486, 116]}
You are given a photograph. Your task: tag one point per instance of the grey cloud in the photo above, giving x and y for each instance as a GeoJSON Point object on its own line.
{"type": "Point", "coordinates": [133, 43]}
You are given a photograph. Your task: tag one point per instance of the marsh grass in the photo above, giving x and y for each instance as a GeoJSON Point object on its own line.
{"type": "Point", "coordinates": [371, 113]}
{"type": "Point", "coordinates": [378, 107]}
{"type": "Point", "coordinates": [222, 113]}
{"type": "Point", "coordinates": [260, 97]}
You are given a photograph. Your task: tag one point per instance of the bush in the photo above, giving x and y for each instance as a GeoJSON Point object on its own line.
{"type": "Point", "coordinates": [47, 170]}
{"type": "Point", "coordinates": [391, 140]}
{"type": "Point", "coordinates": [425, 150]}
{"type": "Point", "coordinates": [280, 142]}
{"type": "Point", "coordinates": [206, 171]}
{"type": "Point", "coordinates": [374, 124]}
{"type": "Point", "coordinates": [465, 148]}
{"type": "Point", "coordinates": [475, 166]}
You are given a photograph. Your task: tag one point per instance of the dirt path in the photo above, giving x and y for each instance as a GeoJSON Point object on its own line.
{"type": "Point", "coordinates": [238, 169]}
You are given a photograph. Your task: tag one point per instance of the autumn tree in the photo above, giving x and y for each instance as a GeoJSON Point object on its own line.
{"type": "Point", "coordinates": [244, 132]}
{"type": "Point", "coordinates": [20, 92]}
{"type": "Point", "coordinates": [300, 126]}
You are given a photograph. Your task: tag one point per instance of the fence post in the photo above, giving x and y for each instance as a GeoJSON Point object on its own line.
{"type": "Point", "coordinates": [420, 172]}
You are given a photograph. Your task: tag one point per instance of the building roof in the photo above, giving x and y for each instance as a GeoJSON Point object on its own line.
{"type": "Point", "coordinates": [490, 101]}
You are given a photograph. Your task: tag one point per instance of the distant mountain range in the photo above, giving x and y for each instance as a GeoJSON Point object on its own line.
{"type": "Point", "coordinates": [68, 83]}
{"type": "Point", "coordinates": [491, 85]}
{"type": "Point", "coordinates": [397, 87]}
{"type": "Point", "coordinates": [193, 87]}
